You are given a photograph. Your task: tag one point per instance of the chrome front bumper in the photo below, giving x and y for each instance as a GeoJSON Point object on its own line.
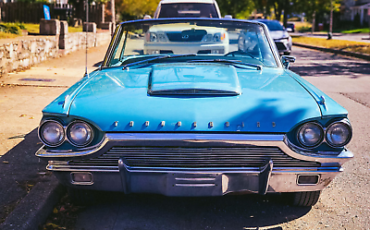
{"type": "Point", "coordinates": [197, 181]}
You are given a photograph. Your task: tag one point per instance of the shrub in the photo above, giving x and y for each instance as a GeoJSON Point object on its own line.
{"type": "Point", "coordinates": [11, 28]}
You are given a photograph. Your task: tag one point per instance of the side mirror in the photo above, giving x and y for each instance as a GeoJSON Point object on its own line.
{"type": "Point", "coordinates": [228, 17]}
{"type": "Point", "coordinates": [286, 60]}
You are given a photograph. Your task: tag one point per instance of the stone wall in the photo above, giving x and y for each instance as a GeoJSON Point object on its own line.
{"type": "Point", "coordinates": [20, 53]}
{"type": "Point", "coordinates": [23, 52]}
{"type": "Point", "coordinates": [73, 41]}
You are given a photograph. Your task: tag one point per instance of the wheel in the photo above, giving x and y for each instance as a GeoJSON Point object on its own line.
{"type": "Point", "coordinates": [81, 196]}
{"type": "Point", "coordinates": [306, 199]}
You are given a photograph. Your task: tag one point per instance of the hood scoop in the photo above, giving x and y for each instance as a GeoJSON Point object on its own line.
{"type": "Point", "coordinates": [194, 79]}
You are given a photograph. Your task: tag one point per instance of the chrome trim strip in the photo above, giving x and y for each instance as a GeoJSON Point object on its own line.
{"type": "Point", "coordinates": [278, 140]}
{"type": "Point", "coordinates": [252, 170]}
{"type": "Point", "coordinates": [194, 137]}
{"type": "Point", "coordinates": [53, 153]}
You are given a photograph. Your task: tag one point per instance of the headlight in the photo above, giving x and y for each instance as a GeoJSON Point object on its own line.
{"type": "Point", "coordinates": [80, 134]}
{"type": "Point", "coordinates": [339, 133]}
{"type": "Point", "coordinates": [217, 37]}
{"type": "Point", "coordinates": [310, 134]}
{"type": "Point", "coordinates": [156, 37]}
{"type": "Point", "coordinates": [52, 133]}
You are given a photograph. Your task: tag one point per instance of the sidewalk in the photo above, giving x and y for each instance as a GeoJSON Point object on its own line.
{"type": "Point", "coordinates": [23, 95]}
{"type": "Point", "coordinates": [349, 37]}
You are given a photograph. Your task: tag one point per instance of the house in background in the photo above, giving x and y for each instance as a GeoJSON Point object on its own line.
{"type": "Point", "coordinates": [352, 7]}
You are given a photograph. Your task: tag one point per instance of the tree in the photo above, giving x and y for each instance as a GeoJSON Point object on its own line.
{"type": "Point", "coordinates": [133, 9]}
{"type": "Point", "coordinates": [79, 5]}
{"type": "Point", "coordinates": [237, 8]}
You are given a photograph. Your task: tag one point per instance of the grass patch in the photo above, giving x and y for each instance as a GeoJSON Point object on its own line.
{"type": "Point", "coordinates": [32, 28]}
{"type": "Point", "coordinates": [4, 35]}
{"type": "Point", "coordinates": [303, 26]}
{"type": "Point", "coordinates": [351, 46]}
{"type": "Point", "coordinates": [35, 28]}
{"type": "Point", "coordinates": [356, 31]}
{"type": "Point", "coordinates": [74, 29]}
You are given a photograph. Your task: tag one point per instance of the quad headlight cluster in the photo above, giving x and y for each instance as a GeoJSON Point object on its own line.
{"type": "Point", "coordinates": [52, 133]}
{"type": "Point", "coordinates": [336, 135]}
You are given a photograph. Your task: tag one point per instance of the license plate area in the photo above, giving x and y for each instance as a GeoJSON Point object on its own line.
{"type": "Point", "coordinates": [190, 184]}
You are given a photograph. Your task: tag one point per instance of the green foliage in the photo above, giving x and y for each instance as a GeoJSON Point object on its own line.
{"type": "Point", "coordinates": [12, 28]}
{"type": "Point", "coordinates": [133, 9]}
{"type": "Point", "coordinates": [237, 8]}
{"type": "Point", "coordinates": [34, 1]}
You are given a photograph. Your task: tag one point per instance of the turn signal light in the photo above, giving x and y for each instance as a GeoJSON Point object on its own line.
{"type": "Point", "coordinates": [83, 178]}
{"type": "Point", "coordinates": [307, 180]}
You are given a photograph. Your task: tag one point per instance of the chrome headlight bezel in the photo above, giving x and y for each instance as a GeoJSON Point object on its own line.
{"type": "Point", "coordinates": [90, 133]}
{"type": "Point", "coordinates": [317, 143]}
{"type": "Point", "coordinates": [42, 138]}
{"type": "Point", "coordinates": [156, 37]}
{"type": "Point", "coordinates": [328, 138]}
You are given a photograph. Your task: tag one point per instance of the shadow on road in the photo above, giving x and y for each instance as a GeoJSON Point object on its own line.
{"type": "Point", "coordinates": [20, 169]}
{"type": "Point", "coordinates": [324, 64]}
{"type": "Point", "coordinates": [118, 211]}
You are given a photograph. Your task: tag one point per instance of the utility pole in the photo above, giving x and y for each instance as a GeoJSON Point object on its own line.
{"type": "Point", "coordinates": [113, 10]}
{"type": "Point", "coordinates": [313, 21]}
{"type": "Point", "coordinates": [330, 34]}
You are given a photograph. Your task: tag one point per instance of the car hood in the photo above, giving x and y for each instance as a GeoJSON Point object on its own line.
{"type": "Point", "coordinates": [278, 34]}
{"type": "Point", "coordinates": [178, 27]}
{"type": "Point", "coordinates": [194, 79]}
{"type": "Point", "coordinates": [268, 101]}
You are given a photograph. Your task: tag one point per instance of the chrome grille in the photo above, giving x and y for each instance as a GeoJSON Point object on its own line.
{"type": "Point", "coordinates": [190, 157]}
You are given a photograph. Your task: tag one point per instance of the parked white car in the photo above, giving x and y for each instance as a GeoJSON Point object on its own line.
{"type": "Point", "coordinates": [186, 38]}
{"type": "Point", "coordinates": [187, 9]}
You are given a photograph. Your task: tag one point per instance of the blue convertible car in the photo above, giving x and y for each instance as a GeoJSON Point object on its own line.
{"type": "Point", "coordinates": [195, 116]}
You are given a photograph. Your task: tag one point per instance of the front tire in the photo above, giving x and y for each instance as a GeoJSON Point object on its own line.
{"type": "Point", "coordinates": [305, 199]}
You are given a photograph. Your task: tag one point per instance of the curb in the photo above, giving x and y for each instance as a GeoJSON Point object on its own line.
{"type": "Point", "coordinates": [335, 51]}
{"type": "Point", "coordinates": [35, 207]}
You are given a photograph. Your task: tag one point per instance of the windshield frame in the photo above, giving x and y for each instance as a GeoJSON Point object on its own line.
{"type": "Point", "coordinates": [120, 29]}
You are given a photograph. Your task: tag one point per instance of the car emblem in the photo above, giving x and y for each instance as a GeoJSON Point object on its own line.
{"type": "Point", "coordinates": [185, 37]}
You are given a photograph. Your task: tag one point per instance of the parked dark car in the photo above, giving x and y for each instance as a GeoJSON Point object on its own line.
{"type": "Point", "coordinates": [280, 35]}
{"type": "Point", "coordinates": [290, 27]}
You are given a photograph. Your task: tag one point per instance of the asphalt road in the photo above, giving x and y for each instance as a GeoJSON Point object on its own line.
{"type": "Point", "coordinates": [343, 205]}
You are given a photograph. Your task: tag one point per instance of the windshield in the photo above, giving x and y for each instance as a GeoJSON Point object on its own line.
{"type": "Point", "coordinates": [273, 25]}
{"type": "Point", "coordinates": [187, 40]}
{"type": "Point", "coordinates": [186, 10]}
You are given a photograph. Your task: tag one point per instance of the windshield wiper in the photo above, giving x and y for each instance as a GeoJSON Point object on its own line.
{"type": "Point", "coordinates": [156, 58]}
{"type": "Point", "coordinates": [233, 62]}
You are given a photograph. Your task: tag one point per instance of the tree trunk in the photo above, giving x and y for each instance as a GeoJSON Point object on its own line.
{"type": "Point", "coordinates": [80, 9]}
{"type": "Point", "coordinates": [113, 10]}
{"type": "Point", "coordinates": [313, 21]}
{"type": "Point", "coordinates": [286, 12]}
